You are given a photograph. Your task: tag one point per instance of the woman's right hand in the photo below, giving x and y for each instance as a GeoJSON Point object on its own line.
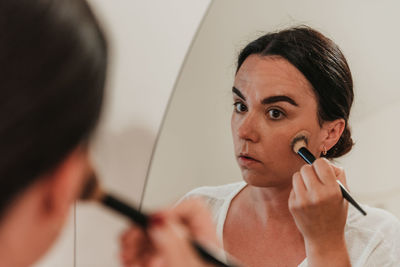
{"type": "Point", "coordinates": [320, 212]}
{"type": "Point", "coordinates": [166, 242]}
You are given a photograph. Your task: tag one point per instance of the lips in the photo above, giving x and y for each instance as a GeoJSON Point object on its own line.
{"type": "Point", "coordinates": [247, 157]}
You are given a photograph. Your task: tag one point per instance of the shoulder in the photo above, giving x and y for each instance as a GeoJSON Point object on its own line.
{"type": "Point", "coordinates": [376, 221]}
{"type": "Point", "coordinates": [215, 192]}
{"type": "Point", "coordinates": [375, 238]}
{"type": "Point", "coordinates": [217, 198]}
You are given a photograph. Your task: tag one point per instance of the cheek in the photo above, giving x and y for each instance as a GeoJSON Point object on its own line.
{"type": "Point", "coordinates": [282, 161]}
{"type": "Point", "coordinates": [234, 128]}
{"type": "Point", "coordinates": [278, 142]}
{"type": "Point", "coordinates": [278, 151]}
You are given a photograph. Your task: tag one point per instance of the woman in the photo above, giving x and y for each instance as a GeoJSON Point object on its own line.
{"type": "Point", "coordinates": [53, 61]}
{"type": "Point", "coordinates": [286, 213]}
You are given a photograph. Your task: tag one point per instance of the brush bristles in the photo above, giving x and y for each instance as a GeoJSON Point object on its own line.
{"type": "Point", "coordinates": [298, 143]}
{"type": "Point", "coordinates": [91, 190]}
{"type": "Point", "coordinates": [300, 140]}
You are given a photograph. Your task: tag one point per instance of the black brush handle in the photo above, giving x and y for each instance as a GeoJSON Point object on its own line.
{"type": "Point", "coordinates": [207, 256]}
{"type": "Point", "coordinates": [142, 220]}
{"type": "Point", "coordinates": [309, 158]}
{"type": "Point", "coordinates": [347, 196]}
{"type": "Point", "coordinates": [135, 215]}
{"type": "Point", "coordinates": [306, 155]}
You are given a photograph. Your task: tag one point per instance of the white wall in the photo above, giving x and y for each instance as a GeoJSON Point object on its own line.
{"type": "Point", "coordinates": [149, 40]}
{"type": "Point", "coordinates": [195, 146]}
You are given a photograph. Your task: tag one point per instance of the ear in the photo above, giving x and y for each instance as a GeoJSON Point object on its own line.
{"type": "Point", "coordinates": [332, 132]}
{"type": "Point", "coordinates": [64, 183]}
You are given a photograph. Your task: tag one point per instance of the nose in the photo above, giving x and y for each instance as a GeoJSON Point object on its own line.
{"type": "Point", "coordinates": [248, 129]}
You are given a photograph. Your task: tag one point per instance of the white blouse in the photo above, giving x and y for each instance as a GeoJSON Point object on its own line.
{"type": "Point", "coordinates": [372, 240]}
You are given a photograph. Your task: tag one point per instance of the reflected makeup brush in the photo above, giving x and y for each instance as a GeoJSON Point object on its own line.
{"type": "Point", "coordinates": [299, 146]}
{"type": "Point", "coordinates": [93, 191]}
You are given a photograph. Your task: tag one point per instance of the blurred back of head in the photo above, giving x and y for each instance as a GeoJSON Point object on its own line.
{"type": "Point", "coordinates": [53, 59]}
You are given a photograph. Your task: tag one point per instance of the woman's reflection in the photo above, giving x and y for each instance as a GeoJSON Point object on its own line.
{"type": "Point", "coordinates": [286, 213]}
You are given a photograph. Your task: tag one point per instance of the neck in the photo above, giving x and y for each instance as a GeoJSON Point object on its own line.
{"type": "Point", "coordinates": [22, 236]}
{"type": "Point", "coordinates": [270, 203]}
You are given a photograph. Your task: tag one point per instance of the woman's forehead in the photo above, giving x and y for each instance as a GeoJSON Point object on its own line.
{"type": "Point", "coordinates": [269, 75]}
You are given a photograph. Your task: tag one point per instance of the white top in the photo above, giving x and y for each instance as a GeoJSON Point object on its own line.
{"type": "Point", "coordinates": [372, 240]}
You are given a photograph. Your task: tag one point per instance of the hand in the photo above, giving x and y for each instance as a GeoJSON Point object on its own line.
{"type": "Point", "coordinates": [320, 211]}
{"type": "Point", "coordinates": [166, 243]}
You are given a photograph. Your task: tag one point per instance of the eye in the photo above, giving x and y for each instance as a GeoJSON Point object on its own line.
{"type": "Point", "coordinates": [275, 114]}
{"type": "Point", "coordinates": [240, 107]}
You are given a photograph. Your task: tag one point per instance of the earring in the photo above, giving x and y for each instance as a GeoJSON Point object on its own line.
{"type": "Point", "coordinates": [324, 152]}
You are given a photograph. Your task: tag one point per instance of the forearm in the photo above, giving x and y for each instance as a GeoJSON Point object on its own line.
{"type": "Point", "coordinates": [327, 254]}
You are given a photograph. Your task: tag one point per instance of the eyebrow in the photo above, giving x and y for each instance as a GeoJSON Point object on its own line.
{"type": "Point", "coordinates": [238, 93]}
{"type": "Point", "coordinates": [268, 100]}
{"type": "Point", "coordinates": [278, 98]}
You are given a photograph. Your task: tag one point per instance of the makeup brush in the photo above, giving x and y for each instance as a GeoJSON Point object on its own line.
{"type": "Point", "coordinates": [299, 146]}
{"type": "Point", "coordinates": [93, 191]}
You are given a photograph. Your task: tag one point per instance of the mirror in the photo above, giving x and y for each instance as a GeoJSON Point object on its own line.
{"type": "Point", "coordinates": [195, 144]}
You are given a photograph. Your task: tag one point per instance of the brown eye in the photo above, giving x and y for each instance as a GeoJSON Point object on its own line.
{"type": "Point", "coordinates": [275, 114]}
{"type": "Point", "coordinates": [240, 107]}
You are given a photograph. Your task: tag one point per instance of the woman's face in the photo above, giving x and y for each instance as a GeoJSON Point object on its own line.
{"type": "Point", "coordinates": [273, 101]}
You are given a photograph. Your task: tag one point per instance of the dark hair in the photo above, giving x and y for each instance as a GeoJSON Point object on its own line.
{"type": "Point", "coordinates": [320, 60]}
{"type": "Point", "coordinates": [53, 58]}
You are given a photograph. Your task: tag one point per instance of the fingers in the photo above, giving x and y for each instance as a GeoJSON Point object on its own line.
{"type": "Point", "coordinates": [172, 246]}
{"type": "Point", "coordinates": [165, 244]}
{"type": "Point", "coordinates": [298, 193]}
{"type": "Point", "coordinates": [329, 173]}
{"type": "Point", "coordinates": [167, 240]}
{"type": "Point", "coordinates": [135, 246]}
{"type": "Point", "coordinates": [340, 174]}
{"type": "Point", "coordinates": [299, 188]}
{"type": "Point", "coordinates": [317, 183]}
{"type": "Point", "coordinates": [310, 178]}
{"type": "Point", "coordinates": [318, 174]}
{"type": "Point", "coordinates": [194, 215]}
{"type": "Point", "coordinates": [324, 171]}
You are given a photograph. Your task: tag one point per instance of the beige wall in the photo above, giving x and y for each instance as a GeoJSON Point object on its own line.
{"type": "Point", "coordinates": [195, 146]}
{"type": "Point", "coordinates": [149, 40]}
